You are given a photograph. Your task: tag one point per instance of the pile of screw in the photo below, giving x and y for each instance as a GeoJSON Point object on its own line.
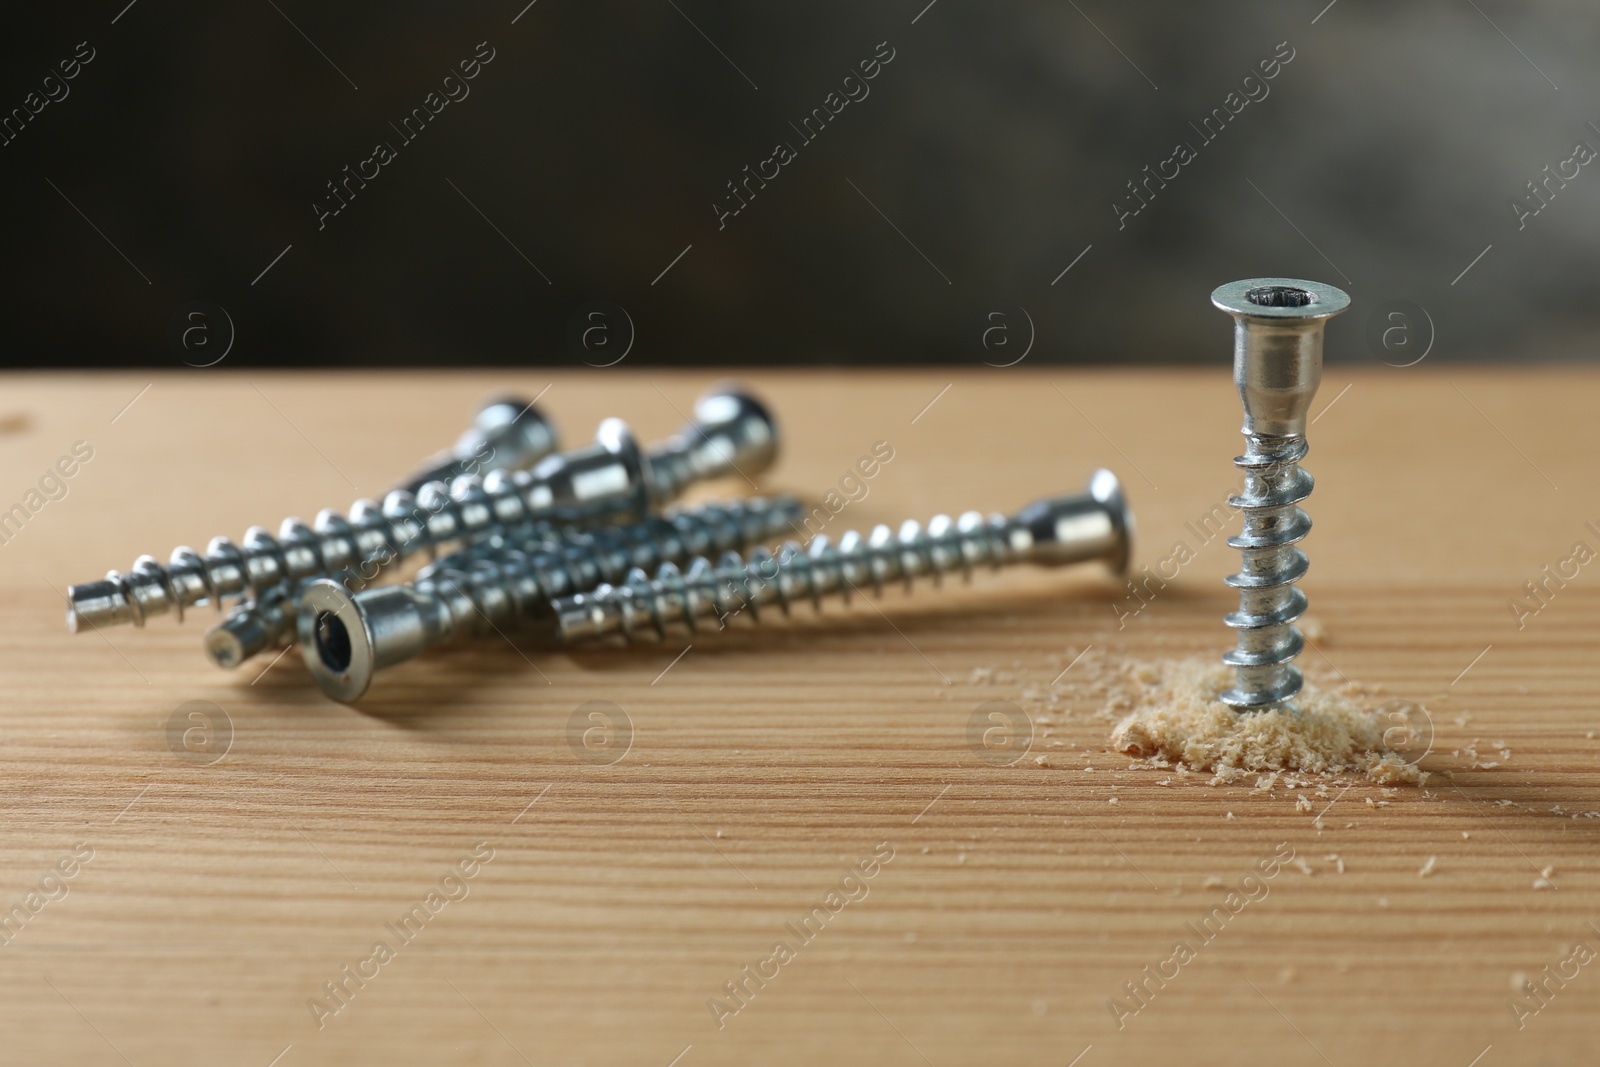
{"type": "Point", "coordinates": [566, 546]}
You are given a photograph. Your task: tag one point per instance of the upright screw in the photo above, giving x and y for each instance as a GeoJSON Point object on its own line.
{"type": "Point", "coordinates": [611, 480]}
{"type": "Point", "coordinates": [1277, 366]}
{"type": "Point", "coordinates": [353, 636]}
{"type": "Point", "coordinates": [509, 433]}
{"type": "Point", "coordinates": [346, 637]}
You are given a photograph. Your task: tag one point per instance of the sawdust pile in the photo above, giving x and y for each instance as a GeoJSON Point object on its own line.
{"type": "Point", "coordinates": [1175, 720]}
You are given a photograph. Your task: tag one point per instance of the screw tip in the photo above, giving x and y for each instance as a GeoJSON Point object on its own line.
{"type": "Point", "coordinates": [223, 648]}
{"type": "Point", "coordinates": [95, 604]}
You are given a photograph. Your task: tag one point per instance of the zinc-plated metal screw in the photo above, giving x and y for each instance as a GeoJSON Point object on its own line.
{"type": "Point", "coordinates": [1277, 366]}
{"type": "Point", "coordinates": [509, 433]}
{"type": "Point", "coordinates": [353, 636]}
{"type": "Point", "coordinates": [347, 637]}
{"type": "Point", "coordinates": [569, 558]}
{"type": "Point", "coordinates": [611, 480]}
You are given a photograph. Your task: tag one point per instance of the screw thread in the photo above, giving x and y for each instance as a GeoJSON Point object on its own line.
{"type": "Point", "coordinates": [1271, 564]}
{"type": "Point", "coordinates": [500, 581]}
{"type": "Point", "coordinates": [734, 584]}
{"type": "Point", "coordinates": [539, 560]}
{"type": "Point", "coordinates": [371, 536]}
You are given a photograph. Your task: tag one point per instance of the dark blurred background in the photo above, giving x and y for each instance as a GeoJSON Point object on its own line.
{"type": "Point", "coordinates": [969, 202]}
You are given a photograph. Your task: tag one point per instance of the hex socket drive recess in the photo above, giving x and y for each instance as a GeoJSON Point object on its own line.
{"type": "Point", "coordinates": [1277, 365]}
{"type": "Point", "coordinates": [346, 638]}
{"type": "Point", "coordinates": [612, 480]}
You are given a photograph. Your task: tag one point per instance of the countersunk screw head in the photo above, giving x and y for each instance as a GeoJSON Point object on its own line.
{"type": "Point", "coordinates": [1277, 347]}
{"type": "Point", "coordinates": [337, 646]}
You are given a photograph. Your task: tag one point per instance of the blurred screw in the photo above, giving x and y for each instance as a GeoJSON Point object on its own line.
{"type": "Point", "coordinates": [509, 433]}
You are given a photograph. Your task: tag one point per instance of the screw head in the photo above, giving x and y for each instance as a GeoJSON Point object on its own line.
{"type": "Point", "coordinates": [1280, 298]}
{"type": "Point", "coordinates": [517, 424]}
{"type": "Point", "coordinates": [738, 431]}
{"type": "Point", "coordinates": [335, 642]}
{"type": "Point", "coordinates": [1278, 325]}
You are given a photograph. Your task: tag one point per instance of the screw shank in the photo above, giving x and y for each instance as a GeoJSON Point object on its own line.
{"type": "Point", "coordinates": [1277, 367]}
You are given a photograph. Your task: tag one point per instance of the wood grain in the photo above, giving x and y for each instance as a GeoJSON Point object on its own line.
{"type": "Point", "coordinates": [769, 760]}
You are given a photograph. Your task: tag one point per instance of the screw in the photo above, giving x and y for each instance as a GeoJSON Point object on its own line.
{"type": "Point", "coordinates": [731, 433]}
{"type": "Point", "coordinates": [354, 635]}
{"type": "Point", "coordinates": [509, 433]}
{"type": "Point", "coordinates": [584, 559]}
{"type": "Point", "coordinates": [1277, 366]}
{"type": "Point", "coordinates": [349, 636]}
{"type": "Point", "coordinates": [611, 479]}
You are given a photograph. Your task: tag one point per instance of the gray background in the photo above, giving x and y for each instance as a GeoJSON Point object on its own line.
{"type": "Point", "coordinates": [947, 203]}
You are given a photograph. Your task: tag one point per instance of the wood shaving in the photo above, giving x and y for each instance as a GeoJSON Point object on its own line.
{"type": "Point", "coordinates": [1175, 719]}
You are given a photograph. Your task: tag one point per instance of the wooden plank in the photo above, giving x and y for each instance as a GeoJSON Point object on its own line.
{"type": "Point", "coordinates": [768, 763]}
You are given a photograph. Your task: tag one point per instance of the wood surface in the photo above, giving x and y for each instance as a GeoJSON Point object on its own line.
{"type": "Point", "coordinates": [769, 760]}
